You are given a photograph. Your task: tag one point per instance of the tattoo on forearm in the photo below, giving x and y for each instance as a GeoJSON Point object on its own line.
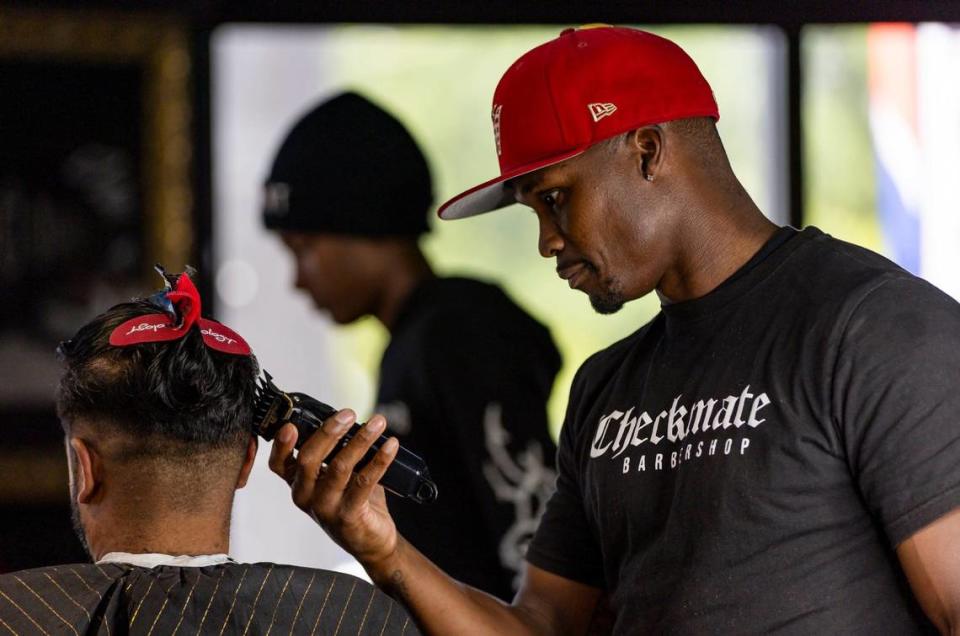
{"type": "Point", "coordinates": [398, 585]}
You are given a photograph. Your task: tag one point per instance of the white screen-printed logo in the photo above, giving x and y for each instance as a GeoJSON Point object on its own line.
{"type": "Point", "coordinates": [276, 199]}
{"type": "Point", "coordinates": [520, 478]}
{"type": "Point", "coordinates": [683, 432]}
{"type": "Point", "coordinates": [495, 115]}
{"type": "Point", "coordinates": [600, 110]}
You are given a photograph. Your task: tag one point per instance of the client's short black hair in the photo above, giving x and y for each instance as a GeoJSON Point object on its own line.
{"type": "Point", "coordinates": [172, 395]}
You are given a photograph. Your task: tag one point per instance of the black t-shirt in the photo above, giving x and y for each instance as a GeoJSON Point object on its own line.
{"type": "Point", "coordinates": [748, 461]}
{"type": "Point", "coordinates": [464, 383]}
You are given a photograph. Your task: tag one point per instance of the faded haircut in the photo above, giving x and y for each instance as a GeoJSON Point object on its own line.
{"type": "Point", "coordinates": [701, 132]}
{"type": "Point", "coordinates": [167, 400]}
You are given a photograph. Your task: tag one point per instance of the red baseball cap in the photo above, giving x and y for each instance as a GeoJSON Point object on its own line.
{"type": "Point", "coordinates": [587, 85]}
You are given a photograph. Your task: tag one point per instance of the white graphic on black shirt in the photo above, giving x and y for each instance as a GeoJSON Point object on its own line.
{"type": "Point", "coordinates": [524, 480]}
{"type": "Point", "coordinates": [689, 433]}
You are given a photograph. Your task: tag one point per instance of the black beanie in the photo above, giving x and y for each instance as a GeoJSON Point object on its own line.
{"type": "Point", "coordinates": [349, 167]}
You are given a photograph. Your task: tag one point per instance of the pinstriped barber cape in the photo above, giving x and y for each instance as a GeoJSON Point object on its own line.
{"type": "Point", "coordinates": [230, 598]}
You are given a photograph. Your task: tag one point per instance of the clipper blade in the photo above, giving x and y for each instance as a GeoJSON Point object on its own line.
{"type": "Point", "coordinates": [407, 475]}
{"type": "Point", "coordinates": [271, 407]}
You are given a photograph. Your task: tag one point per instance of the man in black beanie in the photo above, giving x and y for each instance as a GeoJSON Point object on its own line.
{"type": "Point", "coordinates": [465, 379]}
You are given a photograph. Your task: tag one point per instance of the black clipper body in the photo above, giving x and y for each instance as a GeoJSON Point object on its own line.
{"type": "Point", "coordinates": [407, 475]}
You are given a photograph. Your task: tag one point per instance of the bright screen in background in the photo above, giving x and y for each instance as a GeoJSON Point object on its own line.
{"type": "Point", "coordinates": [881, 118]}
{"type": "Point", "coordinates": [439, 81]}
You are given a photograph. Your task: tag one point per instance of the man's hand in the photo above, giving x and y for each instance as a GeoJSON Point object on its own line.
{"type": "Point", "coordinates": [351, 507]}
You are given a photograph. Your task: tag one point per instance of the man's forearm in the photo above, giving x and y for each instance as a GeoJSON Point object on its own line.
{"type": "Point", "coordinates": [352, 508]}
{"type": "Point", "coordinates": [442, 605]}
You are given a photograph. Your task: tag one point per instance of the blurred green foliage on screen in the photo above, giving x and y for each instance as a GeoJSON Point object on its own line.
{"type": "Point", "coordinates": [840, 186]}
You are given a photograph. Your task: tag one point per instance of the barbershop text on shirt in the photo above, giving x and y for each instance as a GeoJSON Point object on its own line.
{"type": "Point", "coordinates": [704, 429]}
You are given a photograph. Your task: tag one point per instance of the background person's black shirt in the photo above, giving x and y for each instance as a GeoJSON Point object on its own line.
{"type": "Point", "coordinates": [464, 383]}
{"type": "Point", "coordinates": [748, 461]}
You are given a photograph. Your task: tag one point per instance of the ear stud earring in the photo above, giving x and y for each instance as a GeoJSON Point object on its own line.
{"type": "Point", "coordinates": [649, 177]}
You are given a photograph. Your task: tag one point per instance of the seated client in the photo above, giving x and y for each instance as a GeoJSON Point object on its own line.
{"type": "Point", "coordinates": [156, 405]}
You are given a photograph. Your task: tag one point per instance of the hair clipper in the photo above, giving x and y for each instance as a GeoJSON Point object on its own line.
{"type": "Point", "coordinates": [407, 476]}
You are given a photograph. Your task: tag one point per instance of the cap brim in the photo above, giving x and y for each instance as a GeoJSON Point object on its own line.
{"type": "Point", "coordinates": [494, 194]}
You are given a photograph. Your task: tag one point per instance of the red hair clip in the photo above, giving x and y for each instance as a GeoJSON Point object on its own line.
{"type": "Point", "coordinates": [181, 304]}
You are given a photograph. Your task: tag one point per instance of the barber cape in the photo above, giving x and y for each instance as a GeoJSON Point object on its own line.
{"type": "Point", "coordinates": [227, 598]}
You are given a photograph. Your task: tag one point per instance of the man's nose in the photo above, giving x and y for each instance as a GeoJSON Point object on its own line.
{"type": "Point", "coordinates": [551, 241]}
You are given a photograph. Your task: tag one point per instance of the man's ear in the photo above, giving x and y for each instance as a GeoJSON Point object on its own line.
{"type": "Point", "coordinates": [88, 473]}
{"type": "Point", "coordinates": [647, 146]}
{"type": "Point", "coordinates": [247, 462]}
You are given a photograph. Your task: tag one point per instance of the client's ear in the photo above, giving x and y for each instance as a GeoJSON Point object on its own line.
{"type": "Point", "coordinates": [247, 462]}
{"type": "Point", "coordinates": [88, 471]}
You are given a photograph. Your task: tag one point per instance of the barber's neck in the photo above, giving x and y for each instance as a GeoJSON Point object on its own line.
{"type": "Point", "coordinates": [725, 230]}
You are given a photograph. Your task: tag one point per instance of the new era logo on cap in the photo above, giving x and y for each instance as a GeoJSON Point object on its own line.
{"type": "Point", "coordinates": [646, 78]}
{"type": "Point", "coordinates": [599, 111]}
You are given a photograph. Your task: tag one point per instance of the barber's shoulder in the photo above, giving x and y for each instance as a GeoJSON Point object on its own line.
{"type": "Point", "coordinates": [844, 267]}
{"type": "Point", "coordinates": [836, 278]}
{"type": "Point", "coordinates": [865, 299]}
{"type": "Point", "coordinates": [868, 280]}
{"type": "Point", "coordinates": [905, 306]}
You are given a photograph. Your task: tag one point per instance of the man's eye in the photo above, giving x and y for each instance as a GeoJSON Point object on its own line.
{"type": "Point", "coordinates": [551, 199]}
